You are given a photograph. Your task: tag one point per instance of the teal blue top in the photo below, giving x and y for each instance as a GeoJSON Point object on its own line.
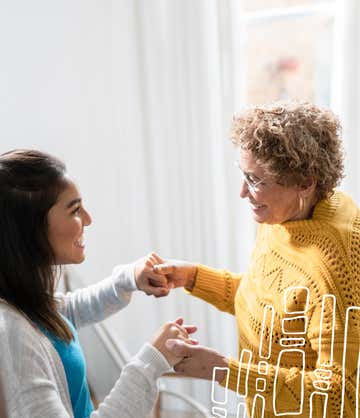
{"type": "Point", "coordinates": [73, 360]}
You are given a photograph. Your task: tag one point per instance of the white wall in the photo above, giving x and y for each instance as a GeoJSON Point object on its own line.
{"type": "Point", "coordinates": [136, 97]}
{"type": "Point", "coordinates": [130, 94]}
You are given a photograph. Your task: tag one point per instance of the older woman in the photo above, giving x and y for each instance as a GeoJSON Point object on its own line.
{"type": "Point", "coordinates": [303, 277]}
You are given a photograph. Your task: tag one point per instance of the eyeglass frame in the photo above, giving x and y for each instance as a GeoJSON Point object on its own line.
{"type": "Point", "coordinates": [254, 187]}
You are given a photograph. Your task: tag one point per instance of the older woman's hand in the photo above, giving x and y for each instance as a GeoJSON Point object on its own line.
{"type": "Point", "coordinates": [198, 361]}
{"type": "Point", "coordinates": [179, 273]}
{"type": "Point", "coordinates": [175, 331]}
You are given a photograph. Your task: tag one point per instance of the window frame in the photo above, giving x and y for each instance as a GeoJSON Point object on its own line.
{"type": "Point", "coordinates": [242, 20]}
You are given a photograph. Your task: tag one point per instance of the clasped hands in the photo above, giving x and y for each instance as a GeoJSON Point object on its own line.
{"type": "Point", "coordinates": [156, 277]}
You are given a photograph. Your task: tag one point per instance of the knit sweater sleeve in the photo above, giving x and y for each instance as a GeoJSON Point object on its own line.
{"type": "Point", "coordinates": [100, 300]}
{"type": "Point", "coordinates": [28, 380]}
{"type": "Point", "coordinates": [283, 385]}
{"type": "Point", "coordinates": [217, 287]}
{"type": "Point", "coordinates": [134, 394]}
{"type": "Point", "coordinates": [33, 387]}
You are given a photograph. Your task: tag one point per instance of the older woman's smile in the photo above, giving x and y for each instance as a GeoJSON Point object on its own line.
{"type": "Point", "coordinates": [256, 206]}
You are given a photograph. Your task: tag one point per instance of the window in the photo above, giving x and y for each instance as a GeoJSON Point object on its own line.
{"type": "Point", "coordinates": [288, 49]}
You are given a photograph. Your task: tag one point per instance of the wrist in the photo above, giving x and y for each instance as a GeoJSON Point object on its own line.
{"type": "Point", "coordinates": [192, 278]}
{"type": "Point", "coordinates": [221, 374]}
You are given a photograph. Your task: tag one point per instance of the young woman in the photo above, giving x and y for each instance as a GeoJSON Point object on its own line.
{"type": "Point", "coordinates": [42, 368]}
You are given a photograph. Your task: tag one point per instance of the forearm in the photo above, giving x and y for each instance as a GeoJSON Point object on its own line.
{"type": "Point", "coordinates": [98, 301]}
{"type": "Point", "coordinates": [134, 394]}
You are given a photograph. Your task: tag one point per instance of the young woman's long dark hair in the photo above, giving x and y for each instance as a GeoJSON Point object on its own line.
{"type": "Point", "coordinates": [30, 183]}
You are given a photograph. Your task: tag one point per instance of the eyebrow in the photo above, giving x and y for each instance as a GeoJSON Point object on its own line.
{"type": "Point", "coordinates": [73, 202]}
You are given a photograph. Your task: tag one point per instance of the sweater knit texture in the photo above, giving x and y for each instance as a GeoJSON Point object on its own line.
{"type": "Point", "coordinates": [300, 290]}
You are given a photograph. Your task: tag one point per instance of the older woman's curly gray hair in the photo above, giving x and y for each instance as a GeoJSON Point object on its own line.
{"type": "Point", "coordinates": [293, 142]}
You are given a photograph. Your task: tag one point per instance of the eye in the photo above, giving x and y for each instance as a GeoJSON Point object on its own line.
{"type": "Point", "coordinates": [250, 178]}
{"type": "Point", "coordinates": [76, 211]}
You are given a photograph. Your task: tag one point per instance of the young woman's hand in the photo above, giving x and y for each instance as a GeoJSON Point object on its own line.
{"type": "Point", "coordinates": [149, 281]}
{"type": "Point", "coordinates": [175, 331]}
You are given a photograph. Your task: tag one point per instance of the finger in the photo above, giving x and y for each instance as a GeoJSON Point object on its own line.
{"type": "Point", "coordinates": [164, 268]}
{"type": "Point", "coordinates": [179, 320]}
{"type": "Point", "coordinates": [164, 293]}
{"type": "Point", "coordinates": [190, 329]}
{"type": "Point", "coordinates": [180, 368]}
{"type": "Point", "coordinates": [153, 260]}
{"type": "Point", "coordinates": [158, 291]}
{"type": "Point", "coordinates": [154, 283]}
{"type": "Point", "coordinates": [157, 279]}
{"type": "Point", "coordinates": [149, 263]}
{"type": "Point", "coordinates": [178, 348]}
{"type": "Point", "coordinates": [191, 341]}
{"type": "Point", "coordinates": [158, 259]}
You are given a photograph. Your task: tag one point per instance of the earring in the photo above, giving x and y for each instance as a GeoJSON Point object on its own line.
{"type": "Point", "coordinates": [301, 204]}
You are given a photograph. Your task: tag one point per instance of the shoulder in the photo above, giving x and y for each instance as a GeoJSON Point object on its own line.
{"type": "Point", "coordinates": [340, 234]}
{"type": "Point", "coordinates": [18, 336]}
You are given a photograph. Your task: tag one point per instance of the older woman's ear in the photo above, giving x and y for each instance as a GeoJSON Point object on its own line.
{"type": "Point", "coordinates": [308, 188]}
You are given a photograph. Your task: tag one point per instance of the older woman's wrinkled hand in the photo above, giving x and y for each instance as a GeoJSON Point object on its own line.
{"type": "Point", "coordinates": [197, 361]}
{"type": "Point", "coordinates": [178, 273]}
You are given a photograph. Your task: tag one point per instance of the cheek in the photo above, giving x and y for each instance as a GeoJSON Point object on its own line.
{"type": "Point", "coordinates": [64, 232]}
{"type": "Point", "coordinates": [73, 230]}
{"type": "Point", "coordinates": [284, 206]}
{"type": "Point", "coordinates": [280, 204]}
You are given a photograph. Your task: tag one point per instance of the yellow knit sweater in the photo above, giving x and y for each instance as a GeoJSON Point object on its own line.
{"type": "Point", "coordinates": [291, 308]}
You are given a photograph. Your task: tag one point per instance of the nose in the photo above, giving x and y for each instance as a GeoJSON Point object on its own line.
{"type": "Point", "coordinates": [244, 190]}
{"type": "Point", "coordinates": [87, 218]}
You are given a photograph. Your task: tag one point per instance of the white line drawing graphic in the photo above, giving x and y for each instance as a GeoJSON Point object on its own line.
{"type": "Point", "coordinates": [293, 319]}
{"type": "Point", "coordinates": [260, 384]}
{"type": "Point", "coordinates": [258, 399]}
{"type": "Point", "coordinates": [241, 364]}
{"type": "Point", "coordinates": [215, 369]}
{"type": "Point", "coordinates": [241, 410]}
{"type": "Point", "coordinates": [263, 367]}
{"type": "Point", "coordinates": [268, 341]}
{"type": "Point", "coordinates": [288, 297]}
{"type": "Point", "coordinates": [321, 384]}
{"type": "Point", "coordinates": [301, 394]}
{"type": "Point", "coordinates": [219, 412]}
{"type": "Point", "coordinates": [292, 342]}
{"type": "Point", "coordinates": [349, 311]}
{"type": "Point", "coordinates": [330, 309]}
{"type": "Point", "coordinates": [323, 374]}
{"type": "Point", "coordinates": [312, 396]}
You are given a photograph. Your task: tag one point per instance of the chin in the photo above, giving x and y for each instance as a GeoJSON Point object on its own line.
{"type": "Point", "coordinates": [75, 260]}
{"type": "Point", "coordinates": [259, 219]}
{"type": "Point", "coordinates": [79, 260]}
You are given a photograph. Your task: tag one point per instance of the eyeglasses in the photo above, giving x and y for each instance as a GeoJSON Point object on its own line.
{"type": "Point", "coordinates": [253, 185]}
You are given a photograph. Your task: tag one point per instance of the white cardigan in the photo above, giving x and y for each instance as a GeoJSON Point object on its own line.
{"type": "Point", "coordinates": [31, 371]}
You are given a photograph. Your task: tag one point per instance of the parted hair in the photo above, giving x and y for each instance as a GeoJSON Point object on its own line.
{"type": "Point", "coordinates": [293, 142]}
{"type": "Point", "coordinates": [30, 183]}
